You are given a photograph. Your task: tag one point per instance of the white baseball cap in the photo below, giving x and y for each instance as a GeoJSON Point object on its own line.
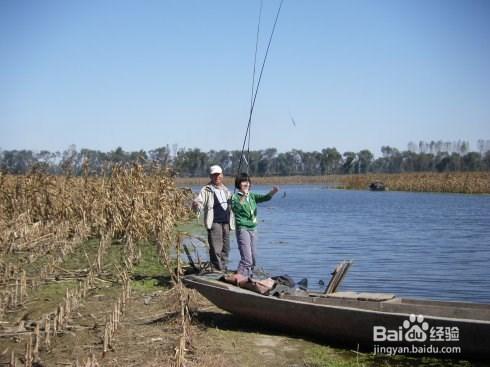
{"type": "Point", "coordinates": [215, 169]}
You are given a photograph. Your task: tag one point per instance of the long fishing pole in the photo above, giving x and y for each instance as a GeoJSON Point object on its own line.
{"type": "Point", "coordinates": [247, 133]}
{"type": "Point", "coordinates": [255, 54]}
{"type": "Point", "coordinates": [253, 80]}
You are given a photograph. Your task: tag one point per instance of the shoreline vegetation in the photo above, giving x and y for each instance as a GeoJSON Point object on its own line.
{"type": "Point", "coordinates": [453, 182]}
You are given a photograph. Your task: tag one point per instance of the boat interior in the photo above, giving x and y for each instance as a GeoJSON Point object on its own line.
{"type": "Point", "coordinates": [382, 302]}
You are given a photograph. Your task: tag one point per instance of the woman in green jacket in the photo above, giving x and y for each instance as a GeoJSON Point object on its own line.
{"type": "Point", "coordinates": [244, 206]}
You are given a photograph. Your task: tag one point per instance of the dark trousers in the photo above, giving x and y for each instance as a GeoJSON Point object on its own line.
{"type": "Point", "coordinates": [219, 245]}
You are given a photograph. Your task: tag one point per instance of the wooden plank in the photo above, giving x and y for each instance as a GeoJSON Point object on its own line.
{"type": "Point", "coordinates": [337, 276]}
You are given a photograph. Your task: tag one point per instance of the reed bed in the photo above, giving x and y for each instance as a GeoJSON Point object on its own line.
{"type": "Point", "coordinates": [269, 180]}
{"type": "Point", "coordinates": [453, 182]}
{"type": "Point", "coordinates": [461, 182]}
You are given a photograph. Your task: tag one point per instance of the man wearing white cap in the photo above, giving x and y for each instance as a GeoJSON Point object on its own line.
{"type": "Point", "coordinates": [214, 201]}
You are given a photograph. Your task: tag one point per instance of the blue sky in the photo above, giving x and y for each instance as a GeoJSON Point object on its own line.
{"type": "Point", "coordinates": [144, 74]}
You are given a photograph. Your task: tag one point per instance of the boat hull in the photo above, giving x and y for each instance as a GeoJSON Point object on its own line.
{"type": "Point", "coordinates": [352, 327]}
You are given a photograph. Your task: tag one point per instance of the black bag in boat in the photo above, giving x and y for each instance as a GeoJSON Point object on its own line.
{"type": "Point", "coordinates": [285, 280]}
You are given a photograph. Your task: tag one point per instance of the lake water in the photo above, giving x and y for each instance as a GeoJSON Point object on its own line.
{"type": "Point", "coordinates": [412, 244]}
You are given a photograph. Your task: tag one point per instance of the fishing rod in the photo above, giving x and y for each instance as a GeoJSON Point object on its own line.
{"type": "Point", "coordinates": [253, 81]}
{"type": "Point", "coordinates": [255, 54]}
{"type": "Point", "coordinates": [254, 93]}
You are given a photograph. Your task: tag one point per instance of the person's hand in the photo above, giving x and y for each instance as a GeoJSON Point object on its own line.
{"type": "Point", "coordinates": [274, 190]}
{"type": "Point", "coordinates": [196, 207]}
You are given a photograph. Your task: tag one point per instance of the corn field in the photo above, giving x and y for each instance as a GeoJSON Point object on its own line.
{"type": "Point", "coordinates": [46, 220]}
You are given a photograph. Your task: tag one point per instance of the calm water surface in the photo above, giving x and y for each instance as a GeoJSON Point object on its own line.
{"type": "Point", "coordinates": [412, 244]}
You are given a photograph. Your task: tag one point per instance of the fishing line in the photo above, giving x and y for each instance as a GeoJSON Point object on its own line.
{"type": "Point", "coordinates": [253, 80]}
{"type": "Point", "coordinates": [253, 100]}
{"type": "Point", "coordinates": [255, 55]}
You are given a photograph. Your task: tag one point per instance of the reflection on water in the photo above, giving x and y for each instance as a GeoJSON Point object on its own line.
{"type": "Point", "coordinates": [411, 244]}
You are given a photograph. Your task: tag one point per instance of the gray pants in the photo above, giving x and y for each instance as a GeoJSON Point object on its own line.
{"type": "Point", "coordinates": [246, 245]}
{"type": "Point", "coordinates": [219, 245]}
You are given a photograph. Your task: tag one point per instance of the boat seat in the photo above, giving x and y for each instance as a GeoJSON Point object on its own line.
{"type": "Point", "coordinates": [361, 296]}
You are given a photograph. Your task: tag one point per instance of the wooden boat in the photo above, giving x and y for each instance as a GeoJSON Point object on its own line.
{"type": "Point", "coordinates": [352, 319]}
{"type": "Point", "coordinates": [377, 186]}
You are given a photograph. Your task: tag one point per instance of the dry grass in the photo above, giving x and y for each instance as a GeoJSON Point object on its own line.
{"type": "Point", "coordinates": [44, 218]}
{"type": "Point", "coordinates": [127, 205]}
{"type": "Point", "coordinates": [459, 182]}
{"type": "Point", "coordinates": [454, 182]}
{"type": "Point", "coordinates": [270, 180]}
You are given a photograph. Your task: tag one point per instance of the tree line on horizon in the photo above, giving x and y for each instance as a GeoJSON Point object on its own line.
{"type": "Point", "coordinates": [267, 162]}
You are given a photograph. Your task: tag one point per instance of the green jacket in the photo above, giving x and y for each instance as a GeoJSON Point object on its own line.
{"type": "Point", "coordinates": [246, 212]}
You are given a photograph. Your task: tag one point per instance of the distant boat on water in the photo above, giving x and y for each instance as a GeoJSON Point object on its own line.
{"type": "Point", "coordinates": [377, 186]}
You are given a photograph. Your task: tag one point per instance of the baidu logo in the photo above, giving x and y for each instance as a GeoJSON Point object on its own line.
{"type": "Point", "coordinates": [419, 336]}
{"type": "Point", "coordinates": [416, 329]}
{"type": "Point", "coordinates": [412, 330]}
